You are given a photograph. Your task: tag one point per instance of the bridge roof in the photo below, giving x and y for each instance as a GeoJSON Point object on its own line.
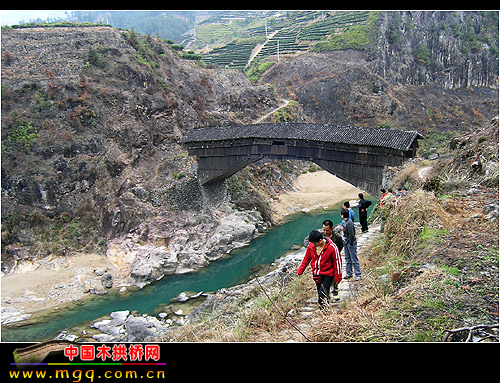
{"type": "Point", "coordinates": [349, 135]}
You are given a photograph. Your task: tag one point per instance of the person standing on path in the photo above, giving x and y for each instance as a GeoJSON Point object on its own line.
{"type": "Point", "coordinates": [384, 194]}
{"type": "Point", "coordinates": [350, 248]}
{"type": "Point", "coordinates": [329, 233]}
{"type": "Point", "coordinates": [337, 240]}
{"type": "Point", "coordinates": [326, 265]}
{"type": "Point", "coordinates": [363, 205]}
{"type": "Point", "coordinates": [347, 206]}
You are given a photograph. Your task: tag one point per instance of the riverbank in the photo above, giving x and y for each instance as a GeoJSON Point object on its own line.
{"type": "Point", "coordinates": [245, 313]}
{"type": "Point", "coordinates": [314, 190]}
{"type": "Point", "coordinates": [49, 283]}
{"type": "Point", "coordinates": [53, 283]}
{"type": "Point", "coordinates": [424, 278]}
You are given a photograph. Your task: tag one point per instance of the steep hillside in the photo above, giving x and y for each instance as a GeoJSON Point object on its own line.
{"type": "Point", "coordinates": [431, 71]}
{"type": "Point", "coordinates": [90, 123]}
{"type": "Point", "coordinates": [450, 49]}
{"type": "Point", "coordinates": [424, 70]}
{"type": "Point", "coordinates": [236, 39]}
{"type": "Point", "coordinates": [343, 87]}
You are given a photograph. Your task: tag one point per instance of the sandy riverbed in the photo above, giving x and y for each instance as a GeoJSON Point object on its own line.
{"type": "Point", "coordinates": [49, 284]}
{"type": "Point", "coordinates": [318, 189]}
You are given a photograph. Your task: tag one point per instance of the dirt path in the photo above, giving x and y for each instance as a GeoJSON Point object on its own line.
{"type": "Point", "coordinates": [284, 103]}
{"type": "Point", "coordinates": [259, 47]}
{"type": "Point", "coordinates": [308, 316]}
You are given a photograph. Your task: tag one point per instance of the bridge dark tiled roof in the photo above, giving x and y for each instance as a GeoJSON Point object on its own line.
{"type": "Point", "coordinates": [351, 135]}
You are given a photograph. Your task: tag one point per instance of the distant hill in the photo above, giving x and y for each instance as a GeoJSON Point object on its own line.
{"type": "Point", "coordinates": [235, 39]}
{"type": "Point", "coordinates": [165, 24]}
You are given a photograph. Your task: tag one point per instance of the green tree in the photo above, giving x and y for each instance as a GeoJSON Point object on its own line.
{"type": "Point", "coordinates": [422, 54]}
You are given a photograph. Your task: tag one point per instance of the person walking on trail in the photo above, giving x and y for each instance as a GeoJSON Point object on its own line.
{"type": "Point", "coordinates": [326, 265]}
{"type": "Point", "coordinates": [350, 248]}
{"type": "Point", "coordinates": [337, 240]}
{"type": "Point", "coordinates": [363, 205]}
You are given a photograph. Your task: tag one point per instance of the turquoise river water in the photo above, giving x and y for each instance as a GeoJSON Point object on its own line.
{"type": "Point", "coordinates": [225, 272]}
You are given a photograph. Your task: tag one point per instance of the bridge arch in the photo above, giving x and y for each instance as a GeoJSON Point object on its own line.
{"type": "Point", "coordinates": [357, 155]}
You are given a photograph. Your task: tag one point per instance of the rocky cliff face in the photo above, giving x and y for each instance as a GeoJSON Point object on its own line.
{"type": "Point", "coordinates": [90, 123]}
{"type": "Point", "coordinates": [450, 49]}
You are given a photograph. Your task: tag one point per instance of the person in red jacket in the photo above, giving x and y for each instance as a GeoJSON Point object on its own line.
{"type": "Point", "coordinates": [326, 265]}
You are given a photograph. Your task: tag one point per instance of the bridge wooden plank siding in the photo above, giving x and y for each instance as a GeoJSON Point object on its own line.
{"type": "Point", "coordinates": [357, 155]}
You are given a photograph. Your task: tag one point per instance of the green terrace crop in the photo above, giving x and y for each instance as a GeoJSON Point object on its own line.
{"type": "Point", "coordinates": [234, 55]}
{"type": "Point", "coordinates": [291, 32]}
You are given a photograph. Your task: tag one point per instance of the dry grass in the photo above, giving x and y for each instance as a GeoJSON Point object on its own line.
{"type": "Point", "coordinates": [253, 318]}
{"type": "Point", "coordinates": [434, 269]}
{"type": "Point", "coordinates": [407, 220]}
{"type": "Point", "coordinates": [409, 177]}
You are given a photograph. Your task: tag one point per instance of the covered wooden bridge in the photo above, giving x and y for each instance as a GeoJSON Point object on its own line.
{"type": "Point", "coordinates": [357, 155]}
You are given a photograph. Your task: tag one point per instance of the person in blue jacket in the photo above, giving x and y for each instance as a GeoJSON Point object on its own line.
{"type": "Point", "coordinates": [350, 248]}
{"type": "Point", "coordinates": [347, 206]}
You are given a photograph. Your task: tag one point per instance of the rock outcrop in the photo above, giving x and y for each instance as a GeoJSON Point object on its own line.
{"type": "Point", "coordinates": [180, 244]}
{"type": "Point", "coordinates": [449, 49]}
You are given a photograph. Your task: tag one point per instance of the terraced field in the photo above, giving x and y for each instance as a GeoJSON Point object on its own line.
{"type": "Point", "coordinates": [294, 32]}
{"type": "Point", "coordinates": [233, 55]}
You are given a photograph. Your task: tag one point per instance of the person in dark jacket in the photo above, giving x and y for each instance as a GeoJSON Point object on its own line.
{"type": "Point", "coordinates": [331, 234]}
{"type": "Point", "coordinates": [326, 265]}
{"type": "Point", "coordinates": [350, 248]}
{"type": "Point", "coordinates": [363, 205]}
{"type": "Point", "coordinates": [337, 240]}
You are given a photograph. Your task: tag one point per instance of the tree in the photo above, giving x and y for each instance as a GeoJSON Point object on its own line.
{"type": "Point", "coordinates": [422, 54]}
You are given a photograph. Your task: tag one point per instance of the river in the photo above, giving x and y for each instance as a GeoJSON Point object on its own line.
{"type": "Point", "coordinates": [225, 272]}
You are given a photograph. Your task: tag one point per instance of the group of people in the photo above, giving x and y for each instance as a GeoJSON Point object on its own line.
{"type": "Point", "coordinates": [323, 252]}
